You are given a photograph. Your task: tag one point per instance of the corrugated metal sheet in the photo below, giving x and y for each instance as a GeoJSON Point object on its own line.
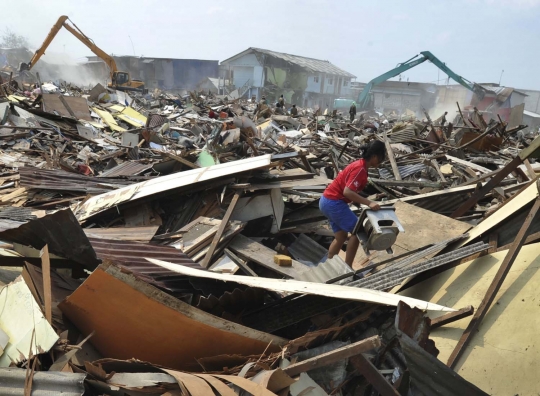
{"type": "Point", "coordinates": [306, 249]}
{"type": "Point", "coordinates": [161, 184]}
{"type": "Point", "coordinates": [444, 202]}
{"type": "Point", "coordinates": [127, 168]}
{"type": "Point", "coordinates": [131, 255]}
{"type": "Point", "coordinates": [44, 383]}
{"type": "Point", "coordinates": [404, 171]}
{"type": "Point", "coordinates": [59, 180]}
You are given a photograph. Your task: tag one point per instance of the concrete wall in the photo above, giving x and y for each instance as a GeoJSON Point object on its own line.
{"type": "Point", "coordinates": [314, 83]}
{"type": "Point", "coordinates": [532, 101]}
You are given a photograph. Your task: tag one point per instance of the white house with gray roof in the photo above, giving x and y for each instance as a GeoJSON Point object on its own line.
{"type": "Point", "coordinates": [306, 82]}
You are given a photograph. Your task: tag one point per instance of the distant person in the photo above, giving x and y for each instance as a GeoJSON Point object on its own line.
{"type": "Point", "coordinates": [281, 101]}
{"type": "Point", "coordinates": [443, 118]}
{"type": "Point", "coordinates": [294, 110]}
{"type": "Point", "coordinates": [263, 101]}
{"type": "Point", "coordinates": [352, 111]}
{"type": "Point", "coordinates": [253, 99]}
{"type": "Point", "coordinates": [279, 109]}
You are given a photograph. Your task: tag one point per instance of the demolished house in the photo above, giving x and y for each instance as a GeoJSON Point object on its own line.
{"type": "Point", "coordinates": [305, 81]}
{"type": "Point", "coordinates": [164, 245]}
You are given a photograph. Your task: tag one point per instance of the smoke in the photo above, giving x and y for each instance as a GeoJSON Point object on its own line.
{"type": "Point", "coordinates": [59, 67]}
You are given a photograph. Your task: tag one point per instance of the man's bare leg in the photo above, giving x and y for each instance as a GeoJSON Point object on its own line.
{"type": "Point", "coordinates": [352, 248]}
{"type": "Point", "coordinates": [339, 239]}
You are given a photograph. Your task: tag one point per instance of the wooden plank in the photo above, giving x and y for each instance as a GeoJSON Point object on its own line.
{"type": "Point", "coordinates": [46, 271]}
{"type": "Point", "coordinates": [224, 222]}
{"type": "Point", "coordinates": [241, 263]}
{"type": "Point", "coordinates": [451, 317]}
{"type": "Point", "coordinates": [495, 285]}
{"type": "Point", "coordinates": [370, 372]}
{"type": "Point", "coordinates": [392, 159]}
{"type": "Point", "coordinates": [436, 166]}
{"type": "Point", "coordinates": [14, 194]}
{"type": "Point", "coordinates": [182, 160]}
{"type": "Point", "coordinates": [328, 358]}
{"type": "Point", "coordinates": [260, 254]}
{"type": "Point", "coordinates": [508, 209]}
{"type": "Point", "coordinates": [468, 164]}
{"type": "Point", "coordinates": [493, 182]}
{"type": "Point", "coordinates": [530, 169]}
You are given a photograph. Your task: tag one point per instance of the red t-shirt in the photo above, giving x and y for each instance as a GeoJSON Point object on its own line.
{"type": "Point", "coordinates": [354, 176]}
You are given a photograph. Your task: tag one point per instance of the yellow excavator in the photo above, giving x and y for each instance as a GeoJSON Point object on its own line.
{"type": "Point", "coordinates": [119, 79]}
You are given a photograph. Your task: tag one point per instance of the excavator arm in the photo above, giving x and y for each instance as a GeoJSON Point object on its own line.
{"type": "Point", "coordinates": [120, 80]}
{"type": "Point", "coordinates": [364, 99]}
{"type": "Point", "coordinates": [62, 22]}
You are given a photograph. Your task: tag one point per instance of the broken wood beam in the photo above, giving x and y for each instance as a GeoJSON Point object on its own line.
{"type": "Point", "coordinates": [206, 262]}
{"type": "Point", "coordinates": [338, 354]}
{"type": "Point", "coordinates": [481, 192]}
{"type": "Point", "coordinates": [372, 375]}
{"type": "Point", "coordinates": [46, 274]}
{"type": "Point", "coordinates": [451, 317]}
{"type": "Point", "coordinates": [392, 159]}
{"type": "Point", "coordinates": [495, 285]}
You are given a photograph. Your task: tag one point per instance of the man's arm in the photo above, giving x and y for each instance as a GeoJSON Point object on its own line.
{"type": "Point", "coordinates": [356, 198]}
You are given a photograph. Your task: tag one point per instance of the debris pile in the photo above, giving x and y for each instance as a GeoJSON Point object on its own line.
{"type": "Point", "coordinates": [174, 245]}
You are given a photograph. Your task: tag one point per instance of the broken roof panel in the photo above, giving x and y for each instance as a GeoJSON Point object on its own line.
{"type": "Point", "coordinates": [294, 286]}
{"type": "Point", "coordinates": [133, 319]}
{"type": "Point", "coordinates": [161, 184]}
{"type": "Point", "coordinates": [311, 64]}
{"type": "Point", "coordinates": [59, 230]}
{"type": "Point", "coordinates": [127, 168]}
{"type": "Point", "coordinates": [59, 180]}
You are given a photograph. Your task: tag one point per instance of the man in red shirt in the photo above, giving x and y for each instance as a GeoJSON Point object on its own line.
{"type": "Point", "coordinates": [345, 189]}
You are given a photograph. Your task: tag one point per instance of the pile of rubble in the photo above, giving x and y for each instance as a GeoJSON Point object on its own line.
{"type": "Point", "coordinates": [174, 245]}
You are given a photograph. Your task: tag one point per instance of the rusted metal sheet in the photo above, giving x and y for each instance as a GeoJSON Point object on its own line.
{"type": "Point", "coordinates": [487, 143]}
{"type": "Point", "coordinates": [140, 234]}
{"type": "Point", "coordinates": [127, 168]}
{"type": "Point", "coordinates": [59, 180]}
{"type": "Point", "coordinates": [59, 230]}
{"type": "Point", "coordinates": [155, 120]}
{"type": "Point", "coordinates": [67, 106]}
{"type": "Point", "coordinates": [130, 255]}
{"type": "Point", "coordinates": [133, 319]}
{"type": "Point", "coordinates": [430, 375]}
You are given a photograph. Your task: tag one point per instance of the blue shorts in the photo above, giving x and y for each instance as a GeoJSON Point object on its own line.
{"type": "Point", "coordinates": [338, 212]}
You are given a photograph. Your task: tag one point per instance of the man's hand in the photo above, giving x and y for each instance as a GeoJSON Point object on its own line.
{"type": "Point", "coordinates": [374, 206]}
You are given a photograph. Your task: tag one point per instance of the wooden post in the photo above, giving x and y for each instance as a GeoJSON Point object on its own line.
{"type": "Point", "coordinates": [370, 372]}
{"type": "Point", "coordinates": [392, 159]}
{"type": "Point", "coordinates": [495, 285]}
{"type": "Point", "coordinates": [451, 317]}
{"type": "Point", "coordinates": [46, 274]}
{"type": "Point", "coordinates": [206, 262]}
{"type": "Point", "coordinates": [328, 358]}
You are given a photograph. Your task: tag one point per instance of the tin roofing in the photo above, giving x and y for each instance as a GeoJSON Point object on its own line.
{"type": "Point", "coordinates": [311, 64]}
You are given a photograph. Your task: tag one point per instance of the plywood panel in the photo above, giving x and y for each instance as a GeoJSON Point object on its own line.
{"type": "Point", "coordinates": [503, 355]}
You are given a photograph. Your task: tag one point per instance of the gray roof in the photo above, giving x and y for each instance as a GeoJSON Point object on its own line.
{"type": "Point", "coordinates": [313, 65]}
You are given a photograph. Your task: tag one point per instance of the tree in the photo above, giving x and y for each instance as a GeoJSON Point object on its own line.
{"type": "Point", "coordinates": [9, 39]}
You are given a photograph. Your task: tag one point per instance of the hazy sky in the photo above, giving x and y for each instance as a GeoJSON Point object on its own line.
{"type": "Point", "coordinates": [475, 38]}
